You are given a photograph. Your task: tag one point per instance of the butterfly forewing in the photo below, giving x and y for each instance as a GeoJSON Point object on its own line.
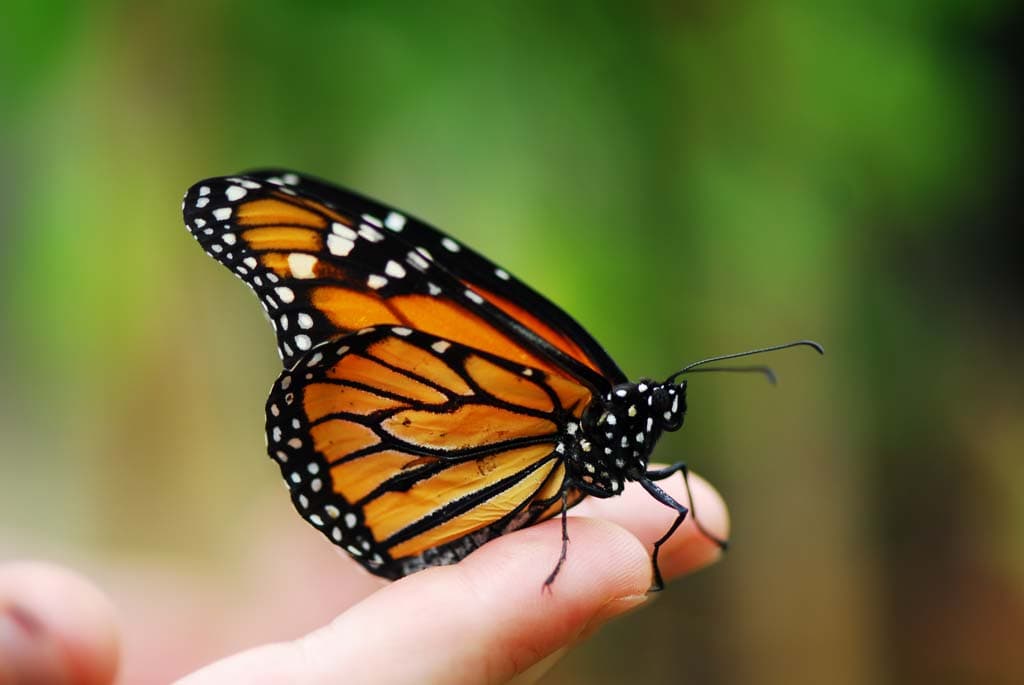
{"type": "Point", "coordinates": [325, 261]}
{"type": "Point", "coordinates": [410, 450]}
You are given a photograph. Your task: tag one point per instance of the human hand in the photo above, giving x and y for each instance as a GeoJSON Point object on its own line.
{"type": "Point", "coordinates": [484, 620]}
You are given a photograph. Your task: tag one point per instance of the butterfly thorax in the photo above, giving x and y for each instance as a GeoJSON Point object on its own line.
{"type": "Point", "coordinates": [618, 432]}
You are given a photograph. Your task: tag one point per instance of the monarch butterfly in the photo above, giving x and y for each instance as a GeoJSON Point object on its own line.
{"type": "Point", "coordinates": [429, 401]}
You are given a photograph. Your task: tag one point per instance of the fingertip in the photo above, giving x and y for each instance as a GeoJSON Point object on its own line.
{"type": "Point", "coordinates": [56, 623]}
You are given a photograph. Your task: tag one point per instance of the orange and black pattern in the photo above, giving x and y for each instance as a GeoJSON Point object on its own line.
{"type": "Point", "coordinates": [410, 450]}
{"type": "Point", "coordinates": [429, 400]}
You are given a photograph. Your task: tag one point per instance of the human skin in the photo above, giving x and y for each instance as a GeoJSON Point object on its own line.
{"type": "Point", "coordinates": [487, 619]}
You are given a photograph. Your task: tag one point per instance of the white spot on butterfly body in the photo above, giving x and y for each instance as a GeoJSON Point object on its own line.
{"type": "Point", "coordinates": [394, 221]}
{"type": "Point", "coordinates": [235, 193]}
{"type": "Point", "coordinates": [302, 264]}
{"type": "Point", "coordinates": [621, 392]}
{"type": "Point", "coordinates": [450, 244]}
{"type": "Point", "coordinates": [376, 281]}
{"type": "Point", "coordinates": [222, 214]}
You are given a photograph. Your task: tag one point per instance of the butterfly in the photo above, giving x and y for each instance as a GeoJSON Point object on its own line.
{"type": "Point", "coordinates": [430, 401]}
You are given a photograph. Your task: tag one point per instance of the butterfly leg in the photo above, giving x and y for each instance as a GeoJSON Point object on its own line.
{"type": "Point", "coordinates": [667, 500]}
{"type": "Point", "coordinates": [565, 540]}
{"type": "Point", "coordinates": [661, 474]}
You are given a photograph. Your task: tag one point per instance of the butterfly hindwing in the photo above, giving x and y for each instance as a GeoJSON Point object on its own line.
{"type": "Point", "coordinates": [325, 261]}
{"type": "Point", "coordinates": [410, 450]}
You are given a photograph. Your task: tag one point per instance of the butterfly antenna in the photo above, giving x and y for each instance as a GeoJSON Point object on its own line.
{"type": "Point", "coordinates": [691, 368]}
{"type": "Point", "coordinates": [766, 370]}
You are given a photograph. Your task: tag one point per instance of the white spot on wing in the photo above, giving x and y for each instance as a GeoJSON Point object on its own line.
{"type": "Point", "coordinates": [450, 244]}
{"type": "Point", "coordinates": [394, 221]}
{"type": "Point", "coordinates": [235, 193]}
{"type": "Point", "coordinates": [343, 230]}
{"type": "Point", "coordinates": [371, 233]}
{"type": "Point", "coordinates": [441, 346]}
{"type": "Point", "coordinates": [339, 246]}
{"type": "Point", "coordinates": [376, 281]}
{"type": "Point", "coordinates": [394, 269]}
{"type": "Point", "coordinates": [222, 214]}
{"type": "Point", "coordinates": [301, 264]}
{"type": "Point", "coordinates": [286, 294]}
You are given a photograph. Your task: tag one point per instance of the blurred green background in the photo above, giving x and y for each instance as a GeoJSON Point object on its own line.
{"type": "Point", "coordinates": [686, 178]}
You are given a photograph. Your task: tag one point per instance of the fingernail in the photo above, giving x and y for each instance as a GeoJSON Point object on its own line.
{"type": "Point", "coordinates": [612, 609]}
{"type": "Point", "coordinates": [28, 654]}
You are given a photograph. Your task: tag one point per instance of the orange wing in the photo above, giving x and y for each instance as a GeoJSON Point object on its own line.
{"type": "Point", "coordinates": [325, 262]}
{"type": "Point", "coordinates": [410, 450]}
